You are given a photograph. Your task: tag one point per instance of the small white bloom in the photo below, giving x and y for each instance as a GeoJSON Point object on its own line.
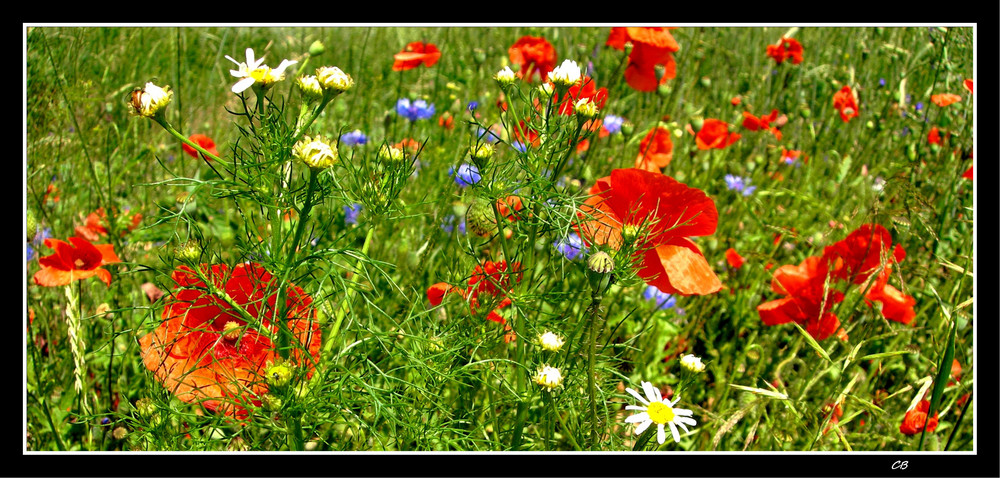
{"type": "Point", "coordinates": [585, 108]}
{"type": "Point", "coordinates": [692, 363]}
{"type": "Point", "coordinates": [334, 78]}
{"type": "Point", "coordinates": [505, 76]}
{"type": "Point", "coordinates": [149, 100]}
{"type": "Point", "coordinates": [550, 341]}
{"type": "Point", "coordinates": [255, 71]}
{"type": "Point", "coordinates": [566, 74]}
{"type": "Point", "coordinates": [548, 377]}
{"type": "Point", "coordinates": [658, 411]}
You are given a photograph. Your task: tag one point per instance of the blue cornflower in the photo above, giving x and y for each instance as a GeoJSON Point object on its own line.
{"type": "Point", "coordinates": [519, 146]}
{"type": "Point", "coordinates": [351, 213]}
{"type": "Point", "coordinates": [570, 246]}
{"type": "Point", "coordinates": [466, 175]}
{"type": "Point", "coordinates": [39, 238]}
{"type": "Point", "coordinates": [613, 123]}
{"type": "Point", "coordinates": [449, 224]}
{"type": "Point", "coordinates": [353, 138]}
{"type": "Point", "coordinates": [881, 82]}
{"type": "Point", "coordinates": [740, 184]}
{"type": "Point", "coordinates": [415, 110]}
{"type": "Point", "coordinates": [662, 299]}
{"type": "Point", "coordinates": [919, 106]}
{"type": "Point", "coordinates": [473, 105]}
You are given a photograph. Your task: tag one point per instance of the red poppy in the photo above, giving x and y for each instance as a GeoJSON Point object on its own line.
{"type": "Point", "coordinates": [934, 137]}
{"type": "Point", "coordinates": [945, 99]}
{"type": "Point", "coordinates": [93, 227]}
{"type": "Point", "coordinates": [916, 419]}
{"type": "Point", "coordinates": [862, 253]}
{"type": "Point", "coordinates": [205, 142]}
{"type": "Point", "coordinates": [446, 121]}
{"type": "Point", "coordinates": [651, 46]}
{"type": "Point", "coordinates": [535, 55]}
{"type": "Point", "coordinates": [655, 150]}
{"type": "Point", "coordinates": [845, 102]}
{"type": "Point", "coordinates": [833, 411]}
{"type": "Point", "coordinates": [715, 134]}
{"type": "Point", "coordinates": [787, 48]}
{"type": "Point", "coordinates": [968, 85]}
{"type": "Point", "coordinates": [51, 192]}
{"type": "Point", "coordinates": [734, 259]}
{"type": "Point", "coordinates": [74, 262]}
{"type": "Point", "coordinates": [791, 156]}
{"type": "Point", "coordinates": [415, 54]}
{"type": "Point", "coordinates": [968, 174]}
{"type": "Point", "coordinates": [650, 216]}
{"type": "Point", "coordinates": [763, 123]}
{"type": "Point", "coordinates": [216, 340]}
{"type": "Point", "coordinates": [489, 285]}
{"type": "Point", "coordinates": [956, 369]}
{"type": "Point", "coordinates": [807, 299]}
{"type": "Point", "coordinates": [585, 87]}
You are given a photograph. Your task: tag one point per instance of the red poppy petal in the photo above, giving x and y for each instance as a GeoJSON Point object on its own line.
{"type": "Point", "coordinates": [779, 311]}
{"type": "Point", "coordinates": [679, 268]}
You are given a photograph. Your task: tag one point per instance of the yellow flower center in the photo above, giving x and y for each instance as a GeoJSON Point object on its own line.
{"type": "Point", "coordinates": [660, 413]}
{"type": "Point", "coordinates": [231, 331]}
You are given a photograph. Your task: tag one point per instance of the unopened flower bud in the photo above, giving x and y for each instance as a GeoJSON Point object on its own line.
{"type": "Point", "coordinates": [627, 129]}
{"type": "Point", "coordinates": [316, 48]}
{"type": "Point", "coordinates": [481, 153]}
{"type": "Point", "coordinates": [149, 100]}
{"type": "Point", "coordinates": [317, 153]}
{"type": "Point", "coordinates": [480, 218]}
{"type": "Point", "coordinates": [119, 433]}
{"type": "Point", "coordinates": [601, 267]}
{"type": "Point", "coordinates": [388, 153]}
{"type": "Point", "coordinates": [692, 363]}
{"type": "Point", "coordinates": [545, 90]}
{"type": "Point", "coordinates": [585, 109]}
{"type": "Point", "coordinates": [31, 225]}
{"type": "Point", "coordinates": [278, 375]}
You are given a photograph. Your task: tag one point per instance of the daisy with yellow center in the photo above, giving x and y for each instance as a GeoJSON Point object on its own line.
{"type": "Point", "coordinates": [658, 411]}
{"type": "Point", "coordinates": [254, 71]}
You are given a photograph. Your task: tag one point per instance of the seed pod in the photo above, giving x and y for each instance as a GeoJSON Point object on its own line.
{"type": "Point", "coordinates": [480, 219]}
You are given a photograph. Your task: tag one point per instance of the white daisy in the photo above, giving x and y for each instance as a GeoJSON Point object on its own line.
{"type": "Point", "coordinates": [659, 411]}
{"type": "Point", "coordinates": [255, 71]}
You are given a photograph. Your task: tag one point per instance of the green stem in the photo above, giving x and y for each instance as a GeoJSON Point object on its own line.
{"type": "Point", "coordinates": [595, 316]}
{"type": "Point", "coordinates": [351, 292]}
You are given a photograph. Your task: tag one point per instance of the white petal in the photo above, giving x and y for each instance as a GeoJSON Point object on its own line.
{"type": "Point", "coordinates": [243, 84]}
{"type": "Point", "coordinates": [250, 60]}
{"type": "Point", "coordinates": [660, 435]}
{"type": "Point", "coordinates": [650, 394]}
{"type": "Point", "coordinates": [683, 412]}
{"type": "Point", "coordinates": [673, 431]}
{"type": "Point", "coordinates": [232, 60]}
{"type": "Point", "coordinates": [638, 417]}
{"type": "Point", "coordinates": [636, 395]}
{"type": "Point", "coordinates": [676, 399]}
{"type": "Point", "coordinates": [643, 426]}
{"type": "Point", "coordinates": [689, 421]}
{"type": "Point", "coordinates": [239, 73]}
{"type": "Point", "coordinates": [635, 407]}
{"type": "Point", "coordinates": [681, 424]}
{"type": "Point", "coordinates": [284, 64]}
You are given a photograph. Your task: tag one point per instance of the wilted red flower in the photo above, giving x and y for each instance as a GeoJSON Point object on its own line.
{"type": "Point", "coordinates": [74, 262]}
{"type": "Point", "coordinates": [807, 299]}
{"type": "Point", "coordinates": [655, 150]}
{"type": "Point", "coordinates": [734, 259]}
{"type": "Point", "coordinates": [968, 85]}
{"type": "Point", "coordinates": [763, 123]}
{"type": "Point", "coordinates": [787, 48]}
{"type": "Point", "coordinates": [845, 102]}
{"type": "Point", "coordinates": [945, 99]}
{"type": "Point", "coordinates": [652, 216]}
{"type": "Point", "coordinates": [415, 54]}
{"type": "Point", "coordinates": [205, 142]}
{"type": "Point", "coordinates": [651, 46]}
{"type": "Point", "coordinates": [218, 334]}
{"type": "Point", "coordinates": [489, 285]}
{"type": "Point", "coordinates": [585, 87]}
{"type": "Point", "coordinates": [535, 55]}
{"type": "Point", "coordinates": [93, 227]}
{"type": "Point", "coordinates": [715, 134]}
{"type": "Point", "coordinates": [934, 137]}
{"type": "Point", "coordinates": [916, 418]}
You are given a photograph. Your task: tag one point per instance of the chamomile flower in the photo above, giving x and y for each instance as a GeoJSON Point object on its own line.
{"type": "Point", "coordinates": [659, 411]}
{"type": "Point", "coordinates": [254, 71]}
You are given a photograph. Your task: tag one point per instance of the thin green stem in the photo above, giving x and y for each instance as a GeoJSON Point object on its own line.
{"type": "Point", "coordinates": [345, 305]}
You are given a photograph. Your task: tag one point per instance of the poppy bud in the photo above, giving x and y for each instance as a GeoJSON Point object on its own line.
{"type": "Point", "coordinates": [316, 48]}
{"type": "Point", "coordinates": [697, 123]}
{"type": "Point", "coordinates": [627, 129]}
{"type": "Point", "coordinates": [911, 152]}
{"type": "Point", "coordinates": [478, 55]}
{"type": "Point", "coordinates": [705, 81]}
{"type": "Point", "coordinates": [480, 219]}
{"type": "Point", "coordinates": [662, 90]}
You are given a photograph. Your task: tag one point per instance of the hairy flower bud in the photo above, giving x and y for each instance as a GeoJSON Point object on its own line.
{"type": "Point", "coordinates": [334, 79]}
{"type": "Point", "coordinates": [317, 153]}
{"type": "Point", "coordinates": [480, 218]}
{"type": "Point", "coordinates": [310, 87]}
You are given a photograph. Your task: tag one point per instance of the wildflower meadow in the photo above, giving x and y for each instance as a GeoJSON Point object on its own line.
{"type": "Point", "coordinates": [515, 238]}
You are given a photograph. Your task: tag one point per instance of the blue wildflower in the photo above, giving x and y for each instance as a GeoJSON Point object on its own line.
{"type": "Point", "coordinates": [739, 184]}
{"type": "Point", "coordinates": [415, 110]}
{"type": "Point", "coordinates": [473, 105]}
{"type": "Point", "coordinates": [466, 175]}
{"type": "Point", "coordinates": [570, 246]}
{"type": "Point", "coordinates": [353, 138]}
{"type": "Point", "coordinates": [450, 221]}
{"type": "Point", "coordinates": [613, 123]}
{"type": "Point", "coordinates": [487, 135]}
{"type": "Point", "coordinates": [519, 146]}
{"type": "Point", "coordinates": [881, 82]}
{"type": "Point", "coordinates": [662, 299]}
{"type": "Point", "coordinates": [351, 213]}
{"type": "Point", "coordinates": [37, 241]}
{"type": "Point", "coordinates": [919, 106]}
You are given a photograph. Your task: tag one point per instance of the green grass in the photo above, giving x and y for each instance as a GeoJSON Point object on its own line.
{"type": "Point", "coordinates": [398, 374]}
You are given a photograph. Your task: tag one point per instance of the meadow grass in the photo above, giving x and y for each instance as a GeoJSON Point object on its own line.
{"type": "Point", "coordinates": [396, 373]}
